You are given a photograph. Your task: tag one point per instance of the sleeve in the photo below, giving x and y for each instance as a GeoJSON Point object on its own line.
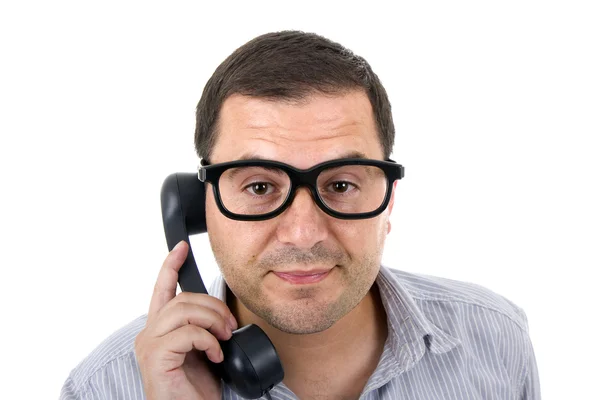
{"type": "Point", "coordinates": [531, 383]}
{"type": "Point", "coordinates": [530, 387]}
{"type": "Point", "coordinates": [68, 391]}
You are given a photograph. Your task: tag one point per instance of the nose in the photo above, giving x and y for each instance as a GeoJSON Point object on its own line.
{"type": "Point", "coordinates": [303, 224]}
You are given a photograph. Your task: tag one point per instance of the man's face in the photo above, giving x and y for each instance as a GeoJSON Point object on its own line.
{"type": "Point", "coordinates": [303, 238]}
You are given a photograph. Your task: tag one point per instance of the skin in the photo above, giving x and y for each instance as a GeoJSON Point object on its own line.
{"type": "Point", "coordinates": [321, 329]}
{"type": "Point", "coordinates": [329, 335]}
{"type": "Point", "coordinates": [180, 333]}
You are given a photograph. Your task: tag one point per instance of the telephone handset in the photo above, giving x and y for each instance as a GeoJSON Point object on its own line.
{"type": "Point", "coordinates": [251, 366]}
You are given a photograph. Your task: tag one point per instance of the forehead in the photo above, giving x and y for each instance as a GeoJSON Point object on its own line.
{"type": "Point", "coordinates": [301, 133]}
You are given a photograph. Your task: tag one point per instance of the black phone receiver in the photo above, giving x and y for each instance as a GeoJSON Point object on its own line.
{"type": "Point", "coordinates": [251, 366]}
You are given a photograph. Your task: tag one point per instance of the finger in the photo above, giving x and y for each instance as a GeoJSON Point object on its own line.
{"type": "Point", "coordinates": [203, 300]}
{"type": "Point", "coordinates": [166, 283]}
{"type": "Point", "coordinates": [186, 338]}
{"type": "Point", "coordinates": [181, 314]}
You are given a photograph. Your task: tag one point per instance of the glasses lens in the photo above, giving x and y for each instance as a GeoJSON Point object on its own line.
{"type": "Point", "coordinates": [352, 189]}
{"type": "Point", "coordinates": [253, 190]}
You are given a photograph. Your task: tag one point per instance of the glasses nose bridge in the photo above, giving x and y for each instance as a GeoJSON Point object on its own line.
{"type": "Point", "coordinates": [307, 179]}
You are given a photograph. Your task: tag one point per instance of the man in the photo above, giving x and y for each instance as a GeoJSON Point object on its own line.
{"type": "Point", "coordinates": [304, 262]}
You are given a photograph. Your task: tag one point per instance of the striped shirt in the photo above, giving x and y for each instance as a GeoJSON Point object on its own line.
{"type": "Point", "coordinates": [446, 340]}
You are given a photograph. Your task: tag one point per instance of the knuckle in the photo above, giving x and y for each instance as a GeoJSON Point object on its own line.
{"type": "Point", "coordinates": [186, 297]}
{"type": "Point", "coordinates": [193, 330]}
{"type": "Point", "coordinates": [173, 305]}
{"type": "Point", "coordinates": [200, 334]}
{"type": "Point", "coordinates": [180, 307]}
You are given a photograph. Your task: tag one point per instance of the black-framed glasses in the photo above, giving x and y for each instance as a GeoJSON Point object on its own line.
{"type": "Point", "coordinates": [254, 190]}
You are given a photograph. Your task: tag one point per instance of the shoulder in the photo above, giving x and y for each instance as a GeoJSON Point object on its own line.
{"type": "Point", "coordinates": [488, 326]}
{"type": "Point", "coordinates": [480, 329]}
{"type": "Point", "coordinates": [433, 294]}
{"type": "Point", "coordinates": [108, 364]}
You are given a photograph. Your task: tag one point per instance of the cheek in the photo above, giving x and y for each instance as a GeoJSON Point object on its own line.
{"type": "Point", "coordinates": [234, 243]}
{"type": "Point", "coordinates": [364, 237]}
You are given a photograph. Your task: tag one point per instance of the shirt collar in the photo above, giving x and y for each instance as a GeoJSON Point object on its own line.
{"type": "Point", "coordinates": [407, 323]}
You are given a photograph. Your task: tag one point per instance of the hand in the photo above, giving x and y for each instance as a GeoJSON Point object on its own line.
{"type": "Point", "coordinates": [180, 333]}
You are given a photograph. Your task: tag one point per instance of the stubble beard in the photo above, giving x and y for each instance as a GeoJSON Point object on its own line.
{"type": "Point", "coordinates": [307, 312]}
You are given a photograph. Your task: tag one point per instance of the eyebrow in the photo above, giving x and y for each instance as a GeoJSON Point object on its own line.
{"type": "Point", "coordinates": [254, 156]}
{"type": "Point", "coordinates": [246, 157]}
{"type": "Point", "coordinates": [350, 154]}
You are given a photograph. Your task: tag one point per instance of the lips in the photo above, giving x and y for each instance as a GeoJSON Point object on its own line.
{"type": "Point", "coordinates": [303, 277]}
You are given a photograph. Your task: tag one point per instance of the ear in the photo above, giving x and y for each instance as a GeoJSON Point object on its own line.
{"type": "Point", "coordinates": [391, 206]}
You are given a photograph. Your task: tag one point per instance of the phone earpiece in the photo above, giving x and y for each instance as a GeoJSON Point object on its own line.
{"type": "Point", "coordinates": [251, 366]}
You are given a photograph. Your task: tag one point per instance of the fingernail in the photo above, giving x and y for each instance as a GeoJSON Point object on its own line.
{"type": "Point", "coordinates": [232, 322]}
{"type": "Point", "coordinates": [221, 356]}
{"type": "Point", "coordinates": [178, 246]}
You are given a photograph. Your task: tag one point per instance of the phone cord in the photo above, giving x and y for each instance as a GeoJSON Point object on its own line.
{"type": "Point", "coordinates": [268, 395]}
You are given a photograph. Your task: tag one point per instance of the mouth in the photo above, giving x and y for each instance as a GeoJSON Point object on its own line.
{"type": "Point", "coordinates": [304, 277]}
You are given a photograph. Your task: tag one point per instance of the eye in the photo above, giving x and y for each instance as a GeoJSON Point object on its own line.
{"type": "Point", "coordinates": [259, 188]}
{"type": "Point", "coordinates": [342, 186]}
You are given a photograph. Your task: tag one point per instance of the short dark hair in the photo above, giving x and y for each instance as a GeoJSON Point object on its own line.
{"type": "Point", "coordinates": [289, 65]}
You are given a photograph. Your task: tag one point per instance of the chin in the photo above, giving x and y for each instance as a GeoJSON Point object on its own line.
{"type": "Point", "coordinates": [301, 327]}
{"type": "Point", "coordinates": [304, 316]}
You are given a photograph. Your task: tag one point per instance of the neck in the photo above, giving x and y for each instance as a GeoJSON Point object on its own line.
{"type": "Point", "coordinates": [339, 359]}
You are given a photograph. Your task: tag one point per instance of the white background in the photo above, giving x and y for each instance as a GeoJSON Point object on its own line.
{"type": "Point", "coordinates": [496, 105]}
